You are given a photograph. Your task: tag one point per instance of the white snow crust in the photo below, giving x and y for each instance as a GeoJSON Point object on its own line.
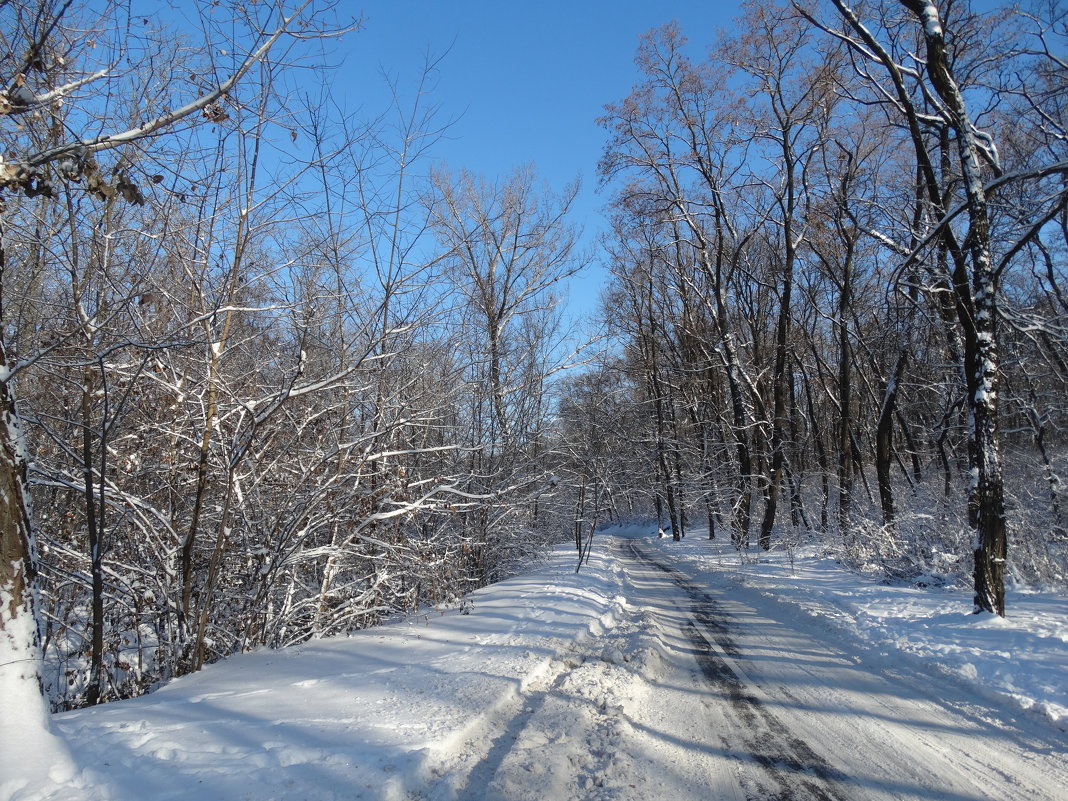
{"type": "Point", "coordinates": [31, 754]}
{"type": "Point", "coordinates": [555, 686]}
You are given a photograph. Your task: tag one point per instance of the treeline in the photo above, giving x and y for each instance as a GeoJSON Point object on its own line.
{"type": "Point", "coordinates": [839, 256]}
{"type": "Point", "coordinates": [277, 376]}
{"type": "Point", "coordinates": [268, 373]}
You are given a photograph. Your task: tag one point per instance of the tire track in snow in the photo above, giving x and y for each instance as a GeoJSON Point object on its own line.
{"type": "Point", "coordinates": [702, 706]}
{"type": "Point", "coordinates": [502, 751]}
{"type": "Point", "coordinates": [791, 770]}
{"type": "Point", "coordinates": [566, 736]}
{"type": "Point", "coordinates": [891, 734]}
{"type": "Point", "coordinates": [481, 773]}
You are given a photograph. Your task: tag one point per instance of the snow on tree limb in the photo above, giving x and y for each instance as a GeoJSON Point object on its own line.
{"type": "Point", "coordinates": [1057, 168]}
{"type": "Point", "coordinates": [163, 121]}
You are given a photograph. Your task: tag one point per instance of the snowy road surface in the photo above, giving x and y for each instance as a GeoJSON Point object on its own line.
{"type": "Point", "coordinates": [634, 679]}
{"type": "Point", "coordinates": [792, 715]}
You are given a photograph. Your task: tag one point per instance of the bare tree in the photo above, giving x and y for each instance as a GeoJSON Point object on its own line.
{"type": "Point", "coordinates": [976, 271]}
{"type": "Point", "coordinates": [44, 152]}
{"type": "Point", "coordinates": [510, 246]}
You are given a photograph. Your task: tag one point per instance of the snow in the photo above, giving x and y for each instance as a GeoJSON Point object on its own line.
{"type": "Point", "coordinates": [26, 737]}
{"type": "Point", "coordinates": [562, 685]}
{"type": "Point", "coordinates": [1022, 657]}
{"type": "Point", "coordinates": [356, 717]}
{"type": "Point", "coordinates": [932, 27]}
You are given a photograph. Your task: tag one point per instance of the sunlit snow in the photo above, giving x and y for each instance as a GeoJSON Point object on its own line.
{"type": "Point", "coordinates": [443, 705]}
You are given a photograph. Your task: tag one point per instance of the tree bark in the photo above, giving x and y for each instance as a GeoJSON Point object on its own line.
{"type": "Point", "coordinates": [884, 439]}
{"type": "Point", "coordinates": [18, 560]}
{"type": "Point", "coordinates": [986, 494]}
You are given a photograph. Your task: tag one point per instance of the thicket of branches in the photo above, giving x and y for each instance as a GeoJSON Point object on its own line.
{"type": "Point", "coordinates": [269, 373]}
{"type": "Point", "coordinates": [839, 249]}
{"type": "Point", "coordinates": [276, 377]}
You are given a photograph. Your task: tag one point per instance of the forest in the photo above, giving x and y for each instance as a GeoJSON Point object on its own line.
{"type": "Point", "coordinates": [270, 371]}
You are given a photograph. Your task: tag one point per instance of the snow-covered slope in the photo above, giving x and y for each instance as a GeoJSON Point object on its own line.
{"type": "Point", "coordinates": [366, 716]}
{"type": "Point", "coordinates": [556, 685]}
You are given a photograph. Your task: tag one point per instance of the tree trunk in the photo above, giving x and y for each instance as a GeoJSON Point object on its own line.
{"type": "Point", "coordinates": [20, 638]}
{"type": "Point", "coordinates": [986, 494]}
{"type": "Point", "coordinates": [845, 404]}
{"type": "Point", "coordinates": [771, 501]}
{"type": "Point", "coordinates": [93, 523]}
{"type": "Point", "coordinates": [884, 439]}
{"type": "Point", "coordinates": [782, 335]}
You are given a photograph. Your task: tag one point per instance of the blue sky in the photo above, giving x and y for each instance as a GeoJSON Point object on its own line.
{"type": "Point", "coordinates": [524, 81]}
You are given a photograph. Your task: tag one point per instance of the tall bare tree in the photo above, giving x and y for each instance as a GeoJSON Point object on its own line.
{"type": "Point", "coordinates": [48, 147]}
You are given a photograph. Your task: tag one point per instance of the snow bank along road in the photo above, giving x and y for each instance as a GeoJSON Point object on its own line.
{"type": "Point", "coordinates": [631, 680]}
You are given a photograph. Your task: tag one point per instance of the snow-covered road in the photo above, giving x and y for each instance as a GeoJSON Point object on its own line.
{"type": "Point", "coordinates": [640, 677]}
{"type": "Point", "coordinates": [694, 695]}
{"type": "Point", "coordinates": [790, 714]}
